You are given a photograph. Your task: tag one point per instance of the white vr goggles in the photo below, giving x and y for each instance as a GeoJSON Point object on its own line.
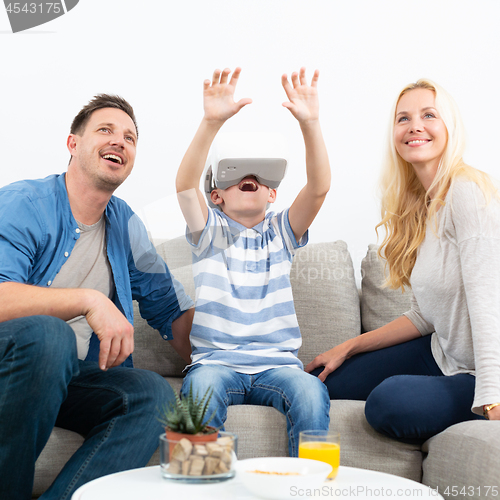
{"type": "Point", "coordinates": [236, 156]}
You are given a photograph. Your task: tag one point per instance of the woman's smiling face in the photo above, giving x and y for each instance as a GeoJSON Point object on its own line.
{"type": "Point", "coordinates": [420, 135]}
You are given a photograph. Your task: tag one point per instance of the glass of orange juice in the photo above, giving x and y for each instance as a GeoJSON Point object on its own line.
{"type": "Point", "coordinates": [323, 446]}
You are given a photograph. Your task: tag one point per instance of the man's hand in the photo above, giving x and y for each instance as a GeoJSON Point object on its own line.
{"type": "Point", "coordinates": [218, 96]}
{"type": "Point", "coordinates": [113, 329]}
{"type": "Point", "coordinates": [303, 99]}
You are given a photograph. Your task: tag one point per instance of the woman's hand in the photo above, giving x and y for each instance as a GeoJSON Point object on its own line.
{"type": "Point", "coordinates": [396, 332]}
{"type": "Point", "coordinates": [494, 413]}
{"type": "Point", "coordinates": [218, 96]}
{"type": "Point", "coordinates": [331, 360]}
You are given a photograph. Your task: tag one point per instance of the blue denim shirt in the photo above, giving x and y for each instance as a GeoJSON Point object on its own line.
{"type": "Point", "coordinates": [38, 233]}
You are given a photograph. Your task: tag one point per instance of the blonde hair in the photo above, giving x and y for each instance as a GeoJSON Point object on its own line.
{"type": "Point", "coordinates": [406, 205]}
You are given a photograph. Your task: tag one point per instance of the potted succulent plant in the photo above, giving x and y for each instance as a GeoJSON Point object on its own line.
{"type": "Point", "coordinates": [194, 447]}
{"type": "Point", "coordinates": [186, 417]}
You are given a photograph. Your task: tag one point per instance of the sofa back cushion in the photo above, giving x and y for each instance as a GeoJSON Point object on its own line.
{"type": "Point", "coordinates": [379, 305]}
{"type": "Point", "coordinates": [151, 351]}
{"type": "Point", "coordinates": [325, 296]}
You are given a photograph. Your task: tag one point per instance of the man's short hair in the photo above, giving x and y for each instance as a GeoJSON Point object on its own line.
{"type": "Point", "coordinates": [101, 101]}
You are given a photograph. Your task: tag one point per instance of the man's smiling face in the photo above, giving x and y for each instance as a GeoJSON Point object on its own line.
{"type": "Point", "coordinates": [106, 149]}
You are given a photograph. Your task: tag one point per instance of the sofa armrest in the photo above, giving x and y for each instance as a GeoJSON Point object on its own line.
{"type": "Point", "coordinates": [466, 456]}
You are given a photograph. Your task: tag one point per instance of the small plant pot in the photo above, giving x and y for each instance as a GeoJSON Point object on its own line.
{"type": "Point", "coordinates": [174, 437]}
{"type": "Point", "coordinates": [210, 457]}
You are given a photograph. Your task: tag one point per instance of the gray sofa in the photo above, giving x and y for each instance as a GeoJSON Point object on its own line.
{"type": "Point", "coordinates": [330, 309]}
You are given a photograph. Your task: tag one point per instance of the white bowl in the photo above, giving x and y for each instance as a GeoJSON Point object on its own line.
{"type": "Point", "coordinates": [278, 477]}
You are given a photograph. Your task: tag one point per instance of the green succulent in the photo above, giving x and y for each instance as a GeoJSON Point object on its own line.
{"type": "Point", "coordinates": [186, 415]}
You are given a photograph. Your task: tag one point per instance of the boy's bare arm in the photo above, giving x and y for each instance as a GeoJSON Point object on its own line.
{"type": "Point", "coordinates": [181, 327]}
{"type": "Point", "coordinates": [304, 105]}
{"type": "Point", "coordinates": [219, 105]}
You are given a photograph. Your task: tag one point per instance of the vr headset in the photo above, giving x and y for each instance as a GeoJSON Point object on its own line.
{"type": "Point", "coordinates": [236, 156]}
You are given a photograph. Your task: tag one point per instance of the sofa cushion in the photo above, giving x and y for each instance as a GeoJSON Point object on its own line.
{"type": "Point", "coordinates": [363, 447]}
{"type": "Point", "coordinates": [379, 305]}
{"type": "Point", "coordinates": [151, 351]}
{"type": "Point", "coordinates": [466, 457]}
{"type": "Point", "coordinates": [175, 252]}
{"type": "Point", "coordinates": [325, 296]}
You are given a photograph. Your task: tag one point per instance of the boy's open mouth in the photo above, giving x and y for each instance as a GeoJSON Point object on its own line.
{"type": "Point", "coordinates": [248, 185]}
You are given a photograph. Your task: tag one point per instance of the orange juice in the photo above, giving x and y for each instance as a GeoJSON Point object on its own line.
{"type": "Point", "coordinates": [324, 452]}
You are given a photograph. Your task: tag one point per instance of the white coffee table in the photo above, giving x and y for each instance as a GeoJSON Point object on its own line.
{"type": "Point", "coordinates": [147, 483]}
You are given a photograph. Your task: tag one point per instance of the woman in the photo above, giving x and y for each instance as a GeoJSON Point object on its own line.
{"type": "Point", "coordinates": [439, 363]}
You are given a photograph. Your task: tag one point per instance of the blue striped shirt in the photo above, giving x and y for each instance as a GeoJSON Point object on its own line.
{"type": "Point", "coordinates": [245, 316]}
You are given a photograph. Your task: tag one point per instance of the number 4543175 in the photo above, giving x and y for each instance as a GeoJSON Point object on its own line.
{"type": "Point", "coordinates": [34, 8]}
{"type": "Point", "coordinates": [471, 491]}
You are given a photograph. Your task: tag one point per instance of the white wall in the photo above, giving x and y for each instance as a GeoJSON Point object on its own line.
{"type": "Point", "coordinates": [157, 54]}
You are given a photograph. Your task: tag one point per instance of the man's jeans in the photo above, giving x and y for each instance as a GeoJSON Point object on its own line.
{"type": "Point", "coordinates": [302, 398]}
{"type": "Point", "coordinates": [43, 384]}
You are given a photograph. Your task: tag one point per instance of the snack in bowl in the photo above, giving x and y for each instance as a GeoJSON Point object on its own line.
{"type": "Point", "coordinates": [279, 477]}
{"type": "Point", "coordinates": [278, 473]}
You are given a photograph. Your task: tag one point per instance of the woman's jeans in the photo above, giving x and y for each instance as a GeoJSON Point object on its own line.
{"type": "Point", "coordinates": [43, 384]}
{"type": "Point", "coordinates": [407, 396]}
{"type": "Point", "coordinates": [302, 398]}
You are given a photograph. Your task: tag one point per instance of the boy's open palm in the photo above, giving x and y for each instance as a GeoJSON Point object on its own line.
{"type": "Point", "coordinates": [303, 99]}
{"type": "Point", "coordinates": [218, 96]}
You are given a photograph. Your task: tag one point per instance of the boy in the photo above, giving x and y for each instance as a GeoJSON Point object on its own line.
{"type": "Point", "coordinates": [245, 335]}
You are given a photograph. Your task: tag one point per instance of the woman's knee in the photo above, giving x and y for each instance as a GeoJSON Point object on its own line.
{"type": "Point", "coordinates": [392, 407]}
{"type": "Point", "coordinates": [378, 409]}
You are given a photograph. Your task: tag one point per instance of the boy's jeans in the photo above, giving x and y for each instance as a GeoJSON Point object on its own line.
{"type": "Point", "coordinates": [43, 384]}
{"type": "Point", "coordinates": [302, 398]}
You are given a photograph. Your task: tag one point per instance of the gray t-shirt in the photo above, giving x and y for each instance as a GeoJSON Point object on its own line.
{"type": "Point", "coordinates": [86, 267]}
{"type": "Point", "coordinates": [456, 289]}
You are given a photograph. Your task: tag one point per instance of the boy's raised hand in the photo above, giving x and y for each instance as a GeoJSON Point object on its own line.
{"type": "Point", "coordinates": [218, 96]}
{"type": "Point", "coordinates": [303, 99]}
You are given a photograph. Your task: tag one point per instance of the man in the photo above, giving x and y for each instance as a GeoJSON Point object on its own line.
{"type": "Point", "coordinates": [72, 259]}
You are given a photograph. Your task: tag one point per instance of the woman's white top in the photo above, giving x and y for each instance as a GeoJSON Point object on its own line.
{"type": "Point", "coordinates": [456, 289]}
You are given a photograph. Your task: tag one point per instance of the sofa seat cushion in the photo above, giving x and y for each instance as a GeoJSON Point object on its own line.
{"type": "Point", "coordinates": [261, 432]}
{"type": "Point", "coordinates": [363, 447]}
